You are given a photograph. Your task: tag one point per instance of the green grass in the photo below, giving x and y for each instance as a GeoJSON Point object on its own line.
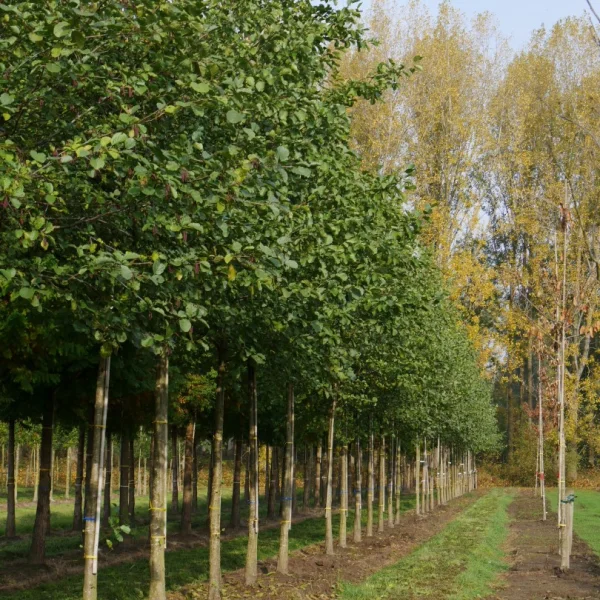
{"type": "Point", "coordinates": [460, 563]}
{"type": "Point", "coordinates": [129, 581]}
{"type": "Point", "coordinates": [586, 523]}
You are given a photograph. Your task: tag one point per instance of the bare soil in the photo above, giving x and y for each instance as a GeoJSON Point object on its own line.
{"type": "Point", "coordinates": [315, 576]}
{"type": "Point", "coordinates": [535, 572]}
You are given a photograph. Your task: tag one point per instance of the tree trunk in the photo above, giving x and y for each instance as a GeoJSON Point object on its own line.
{"type": "Point", "coordinates": [186, 509]}
{"type": "Point", "coordinates": [175, 471]}
{"type": "Point", "coordinates": [344, 495]}
{"type": "Point", "coordinates": [131, 481]}
{"type": "Point", "coordinates": [381, 514]}
{"type": "Point", "coordinates": [358, 493]}
{"type": "Point", "coordinates": [417, 476]}
{"type": "Point", "coordinates": [158, 485]}
{"type": "Point", "coordinates": [68, 474]}
{"type": "Point", "coordinates": [267, 473]}
{"type": "Point", "coordinates": [252, 480]}
{"type": "Point", "coordinates": [42, 516]}
{"type": "Point", "coordinates": [273, 483]}
{"type": "Point", "coordinates": [391, 473]}
{"type": "Point", "coordinates": [246, 476]}
{"type": "Point", "coordinates": [318, 465]}
{"type": "Point", "coordinates": [11, 523]}
{"type": "Point", "coordinates": [306, 484]}
{"type": "Point", "coordinates": [107, 498]}
{"type": "Point", "coordinates": [124, 484]}
{"type": "Point", "coordinates": [91, 536]}
{"type": "Point", "coordinates": [88, 460]}
{"type": "Point", "coordinates": [371, 478]}
{"type": "Point", "coordinates": [214, 578]}
{"type": "Point", "coordinates": [36, 481]}
{"type": "Point", "coordinates": [78, 508]}
{"type": "Point", "coordinates": [398, 482]}
{"type": "Point", "coordinates": [329, 494]}
{"type": "Point", "coordinates": [286, 498]}
{"type": "Point", "coordinates": [236, 492]}
{"type": "Point", "coordinates": [195, 478]}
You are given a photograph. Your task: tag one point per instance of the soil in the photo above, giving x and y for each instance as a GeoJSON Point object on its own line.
{"type": "Point", "coordinates": [535, 564]}
{"type": "Point", "coordinates": [315, 576]}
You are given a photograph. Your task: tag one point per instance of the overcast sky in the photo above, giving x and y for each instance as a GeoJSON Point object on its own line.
{"type": "Point", "coordinates": [518, 18]}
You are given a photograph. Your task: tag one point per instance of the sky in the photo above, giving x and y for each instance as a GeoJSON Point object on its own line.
{"type": "Point", "coordinates": [518, 18]}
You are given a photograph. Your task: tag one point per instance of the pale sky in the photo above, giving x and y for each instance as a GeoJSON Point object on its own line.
{"type": "Point", "coordinates": [518, 18]}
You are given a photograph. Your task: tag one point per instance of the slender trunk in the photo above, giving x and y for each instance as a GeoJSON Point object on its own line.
{"type": "Point", "coordinates": [131, 481]}
{"type": "Point", "coordinates": [107, 498]}
{"type": "Point", "coordinates": [37, 551]}
{"type": "Point", "coordinates": [328, 515]}
{"type": "Point", "coordinates": [281, 481]}
{"type": "Point", "coordinates": [68, 474]}
{"type": "Point", "coordinates": [294, 491]}
{"type": "Point", "coordinates": [267, 473]}
{"type": "Point", "coordinates": [158, 486]}
{"type": "Point", "coordinates": [195, 478]}
{"type": "Point", "coordinates": [36, 481]}
{"type": "Point", "coordinates": [175, 471]}
{"type": "Point", "coordinates": [78, 508]}
{"type": "Point", "coordinates": [391, 483]}
{"type": "Point", "coordinates": [246, 475]}
{"type": "Point", "coordinates": [358, 493]}
{"type": "Point", "coordinates": [253, 481]}
{"type": "Point", "coordinates": [371, 479]}
{"type": "Point", "coordinates": [91, 536]}
{"type": "Point", "coordinates": [124, 484]}
{"type": "Point", "coordinates": [344, 496]}
{"type": "Point", "coordinates": [282, 561]}
{"type": "Point", "coordinates": [273, 483]}
{"type": "Point", "coordinates": [381, 485]}
{"type": "Point", "coordinates": [398, 490]}
{"type": "Point", "coordinates": [88, 460]}
{"type": "Point", "coordinates": [11, 524]}
{"type": "Point", "coordinates": [305, 479]}
{"type": "Point", "coordinates": [318, 465]}
{"type": "Point", "coordinates": [186, 509]}
{"type": "Point", "coordinates": [418, 476]}
{"type": "Point", "coordinates": [214, 578]}
{"type": "Point", "coordinates": [541, 440]}
{"type": "Point", "coordinates": [236, 492]}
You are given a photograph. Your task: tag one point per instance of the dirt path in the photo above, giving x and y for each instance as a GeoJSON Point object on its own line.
{"type": "Point", "coordinates": [535, 571]}
{"type": "Point", "coordinates": [313, 575]}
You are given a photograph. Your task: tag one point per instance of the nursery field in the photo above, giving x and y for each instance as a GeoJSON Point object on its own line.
{"type": "Point", "coordinates": [485, 544]}
{"type": "Point", "coordinates": [299, 300]}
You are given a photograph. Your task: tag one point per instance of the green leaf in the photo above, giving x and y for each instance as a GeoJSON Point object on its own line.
{"type": "Point", "coordinates": [8, 274]}
{"type": "Point", "coordinates": [233, 116]}
{"type": "Point", "coordinates": [6, 99]}
{"type": "Point", "coordinates": [158, 268]}
{"type": "Point", "coordinates": [97, 163]}
{"type": "Point", "coordinates": [53, 68]}
{"type": "Point", "coordinates": [302, 171]}
{"type": "Point", "coordinates": [39, 157]}
{"type": "Point", "coordinates": [148, 342]}
{"type": "Point", "coordinates": [34, 37]}
{"type": "Point", "coordinates": [282, 153]}
{"type": "Point", "coordinates": [201, 88]}
{"type": "Point", "coordinates": [61, 29]}
{"type": "Point", "coordinates": [126, 272]}
{"type": "Point", "coordinates": [27, 293]}
{"type": "Point", "coordinates": [185, 325]}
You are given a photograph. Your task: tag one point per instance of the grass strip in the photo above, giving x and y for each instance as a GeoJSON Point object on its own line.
{"type": "Point", "coordinates": [460, 563]}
